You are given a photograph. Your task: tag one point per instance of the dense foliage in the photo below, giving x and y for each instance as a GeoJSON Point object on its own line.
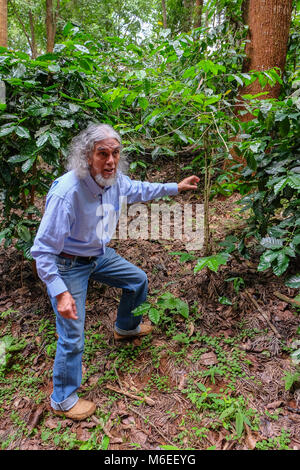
{"type": "Point", "coordinates": [167, 95]}
{"type": "Point", "coordinates": [271, 144]}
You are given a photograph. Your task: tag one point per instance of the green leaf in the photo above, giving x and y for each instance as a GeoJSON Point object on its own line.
{"type": "Point", "coordinates": [143, 102]}
{"type": "Point", "coordinates": [105, 443]}
{"type": "Point", "coordinates": [238, 79]}
{"type": "Point", "coordinates": [266, 260]}
{"type": "Point", "coordinates": [282, 263]}
{"type": "Point", "coordinates": [271, 242]}
{"type": "Point", "coordinates": [293, 281]}
{"type": "Point", "coordinates": [284, 127]}
{"type": "Point", "coordinates": [24, 233]}
{"type": "Point", "coordinates": [82, 48]}
{"type": "Point", "coordinates": [224, 300]}
{"type": "Point", "coordinates": [18, 158]}
{"type": "Point", "coordinates": [239, 424]}
{"type": "Point", "coordinates": [154, 315]}
{"type": "Point", "coordinates": [64, 123]}
{"type": "Point", "coordinates": [169, 447]}
{"type": "Point", "coordinates": [54, 68]}
{"type": "Point", "coordinates": [22, 132]}
{"type": "Point", "coordinates": [27, 165]}
{"type": "Point", "coordinates": [212, 262]}
{"type": "Point", "coordinates": [74, 107]}
{"type": "Point", "coordinates": [227, 412]}
{"type": "Point", "coordinates": [280, 185]}
{"type": "Point", "coordinates": [182, 136]}
{"type": "Point", "coordinates": [42, 139]}
{"type": "Point", "coordinates": [7, 130]}
{"type": "Point", "coordinates": [141, 309]}
{"type": "Point", "coordinates": [182, 308]}
{"type": "Point", "coordinates": [294, 181]}
{"type": "Point", "coordinates": [67, 28]}
{"type": "Point", "coordinates": [92, 104]}
{"type": "Point", "coordinates": [201, 387]}
{"type": "Point", "coordinates": [296, 240]}
{"type": "Point", "coordinates": [212, 100]}
{"type": "Point", "coordinates": [54, 140]}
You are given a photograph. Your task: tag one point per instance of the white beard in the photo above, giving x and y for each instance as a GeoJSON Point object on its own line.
{"type": "Point", "coordinates": [106, 181]}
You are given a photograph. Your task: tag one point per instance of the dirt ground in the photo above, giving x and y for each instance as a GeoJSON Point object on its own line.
{"type": "Point", "coordinates": [212, 380]}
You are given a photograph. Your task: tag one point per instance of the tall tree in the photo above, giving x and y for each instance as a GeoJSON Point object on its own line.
{"type": "Point", "coordinates": [269, 24]}
{"type": "Point", "coordinates": [51, 22]}
{"type": "Point", "coordinates": [198, 13]}
{"type": "Point", "coordinates": [3, 23]}
{"type": "Point", "coordinates": [164, 13]}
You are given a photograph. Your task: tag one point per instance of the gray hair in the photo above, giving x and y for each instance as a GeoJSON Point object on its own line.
{"type": "Point", "coordinates": [83, 144]}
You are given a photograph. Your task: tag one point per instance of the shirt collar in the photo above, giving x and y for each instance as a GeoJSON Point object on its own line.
{"type": "Point", "coordinates": [94, 188]}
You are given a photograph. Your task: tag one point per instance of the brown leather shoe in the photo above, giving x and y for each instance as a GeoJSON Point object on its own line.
{"type": "Point", "coordinates": [145, 330]}
{"type": "Point", "coordinates": [81, 410]}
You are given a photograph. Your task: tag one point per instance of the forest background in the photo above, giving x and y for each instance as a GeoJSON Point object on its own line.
{"type": "Point", "coordinates": [209, 87]}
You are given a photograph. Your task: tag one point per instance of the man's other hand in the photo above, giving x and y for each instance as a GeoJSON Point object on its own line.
{"type": "Point", "coordinates": [66, 306]}
{"type": "Point", "coordinates": [188, 183]}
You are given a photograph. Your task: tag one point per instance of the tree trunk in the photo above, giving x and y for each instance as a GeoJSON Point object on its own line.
{"type": "Point", "coordinates": [32, 41]}
{"type": "Point", "coordinates": [188, 9]}
{"type": "Point", "coordinates": [198, 13]}
{"type": "Point", "coordinates": [164, 13]}
{"type": "Point", "coordinates": [269, 25]}
{"type": "Point", "coordinates": [3, 23]}
{"type": "Point", "coordinates": [51, 23]}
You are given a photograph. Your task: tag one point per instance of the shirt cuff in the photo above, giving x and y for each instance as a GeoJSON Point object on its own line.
{"type": "Point", "coordinates": [56, 287]}
{"type": "Point", "coordinates": [172, 189]}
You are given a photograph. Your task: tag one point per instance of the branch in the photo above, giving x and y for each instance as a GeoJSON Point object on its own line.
{"type": "Point", "coordinates": [218, 131]}
{"type": "Point", "coordinates": [147, 400]}
{"type": "Point", "coordinates": [22, 25]}
{"type": "Point", "coordinates": [262, 314]}
{"type": "Point", "coordinates": [287, 299]}
{"type": "Point", "coordinates": [153, 425]}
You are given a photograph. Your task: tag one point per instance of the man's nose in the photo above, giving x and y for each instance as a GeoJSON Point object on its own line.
{"type": "Point", "coordinates": [110, 160]}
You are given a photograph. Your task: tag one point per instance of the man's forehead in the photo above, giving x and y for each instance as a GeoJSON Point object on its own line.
{"type": "Point", "coordinates": [107, 144]}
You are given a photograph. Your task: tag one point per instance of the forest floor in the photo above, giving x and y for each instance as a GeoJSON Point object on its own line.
{"type": "Point", "coordinates": [214, 380]}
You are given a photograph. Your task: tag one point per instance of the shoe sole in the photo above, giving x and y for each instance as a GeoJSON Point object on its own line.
{"type": "Point", "coordinates": [122, 337]}
{"type": "Point", "coordinates": [76, 417]}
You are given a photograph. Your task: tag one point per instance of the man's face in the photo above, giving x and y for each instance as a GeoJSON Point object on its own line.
{"type": "Point", "coordinates": [105, 158]}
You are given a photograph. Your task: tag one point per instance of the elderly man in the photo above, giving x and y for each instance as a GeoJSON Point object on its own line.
{"type": "Point", "coordinates": [69, 249]}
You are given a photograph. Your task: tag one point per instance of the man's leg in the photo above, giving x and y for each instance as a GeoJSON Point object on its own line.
{"type": "Point", "coordinates": [67, 372]}
{"type": "Point", "coordinates": [115, 271]}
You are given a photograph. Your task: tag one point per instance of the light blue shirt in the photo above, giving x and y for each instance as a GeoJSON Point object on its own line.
{"type": "Point", "coordinates": [75, 209]}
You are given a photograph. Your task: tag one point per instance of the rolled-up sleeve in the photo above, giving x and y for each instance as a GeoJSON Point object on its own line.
{"type": "Point", "coordinates": [49, 242]}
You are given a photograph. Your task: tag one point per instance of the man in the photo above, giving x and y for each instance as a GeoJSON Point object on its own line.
{"type": "Point", "coordinates": [70, 249]}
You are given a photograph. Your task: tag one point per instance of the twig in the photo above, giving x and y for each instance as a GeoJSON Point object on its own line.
{"type": "Point", "coordinates": [287, 299]}
{"type": "Point", "coordinates": [262, 314]}
{"type": "Point", "coordinates": [293, 410]}
{"type": "Point", "coordinates": [148, 400]}
{"type": "Point", "coordinates": [153, 425]}
{"type": "Point", "coordinates": [218, 131]}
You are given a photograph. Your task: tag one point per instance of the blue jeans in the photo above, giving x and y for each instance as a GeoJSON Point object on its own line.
{"type": "Point", "coordinates": [110, 269]}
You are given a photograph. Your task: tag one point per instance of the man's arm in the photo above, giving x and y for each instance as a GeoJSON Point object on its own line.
{"type": "Point", "coordinates": [49, 241]}
{"type": "Point", "coordinates": [143, 191]}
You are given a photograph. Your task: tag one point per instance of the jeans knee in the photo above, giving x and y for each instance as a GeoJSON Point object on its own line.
{"type": "Point", "coordinates": [72, 346]}
{"type": "Point", "coordinates": [142, 279]}
{"type": "Point", "coordinates": [78, 346]}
